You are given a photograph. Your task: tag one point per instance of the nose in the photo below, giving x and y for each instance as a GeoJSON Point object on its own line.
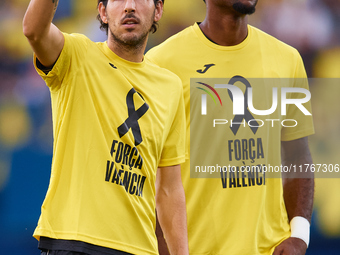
{"type": "Point", "coordinates": [130, 6]}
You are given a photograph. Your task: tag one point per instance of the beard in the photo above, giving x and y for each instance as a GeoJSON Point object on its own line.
{"type": "Point", "coordinates": [244, 9]}
{"type": "Point", "coordinates": [131, 39]}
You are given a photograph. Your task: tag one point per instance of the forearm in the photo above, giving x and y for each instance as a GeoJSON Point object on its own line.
{"type": "Point", "coordinates": [38, 18]}
{"type": "Point", "coordinates": [171, 213]}
{"type": "Point", "coordinates": [45, 38]}
{"type": "Point", "coordinates": [298, 188]}
{"type": "Point", "coordinates": [298, 196]}
{"type": "Point", "coordinates": [162, 246]}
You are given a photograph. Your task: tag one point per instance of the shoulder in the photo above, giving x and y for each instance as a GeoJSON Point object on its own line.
{"type": "Point", "coordinates": [165, 77]}
{"type": "Point", "coordinates": [173, 43]}
{"type": "Point", "coordinates": [278, 53]}
{"type": "Point", "coordinates": [271, 42]}
{"type": "Point", "coordinates": [76, 38]}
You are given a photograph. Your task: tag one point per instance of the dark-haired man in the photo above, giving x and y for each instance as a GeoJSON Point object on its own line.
{"type": "Point", "coordinates": [116, 119]}
{"type": "Point", "coordinates": [241, 212]}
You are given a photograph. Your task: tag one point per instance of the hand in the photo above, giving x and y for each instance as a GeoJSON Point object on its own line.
{"type": "Point", "coordinates": [291, 246]}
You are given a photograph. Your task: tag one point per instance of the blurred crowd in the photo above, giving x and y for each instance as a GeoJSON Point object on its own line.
{"type": "Point", "coordinates": [311, 26]}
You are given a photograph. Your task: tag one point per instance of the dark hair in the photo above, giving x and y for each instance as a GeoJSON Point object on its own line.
{"type": "Point", "coordinates": [105, 26]}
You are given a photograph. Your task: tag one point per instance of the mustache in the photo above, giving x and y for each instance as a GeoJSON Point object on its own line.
{"type": "Point", "coordinates": [130, 16]}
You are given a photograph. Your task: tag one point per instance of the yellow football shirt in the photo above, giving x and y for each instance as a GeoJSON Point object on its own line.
{"type": "Point", "coordinates": [114, 123]}
{"type": "Point", "coordinates": [235, 213]}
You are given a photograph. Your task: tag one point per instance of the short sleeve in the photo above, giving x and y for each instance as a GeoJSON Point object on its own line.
{"type": "Point", "coordinates": [304, 123]}
{"type": "Point", "coordinates": [173, 152]}
{"type": "Point", "coordinates": [69, 60]}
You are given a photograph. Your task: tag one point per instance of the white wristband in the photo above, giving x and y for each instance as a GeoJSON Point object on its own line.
{"type": "Point", "coordinates": [300, 228]}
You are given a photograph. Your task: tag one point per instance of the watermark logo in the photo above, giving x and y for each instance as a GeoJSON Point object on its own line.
{"type": "Point", "coordinates": [270, 97]}
{"type": "Point", "coordinates": [243, 102]}
{"type": "Point", "coordinates": [245, 121]}
{"type": "Point", "coordinates": [204, 97]}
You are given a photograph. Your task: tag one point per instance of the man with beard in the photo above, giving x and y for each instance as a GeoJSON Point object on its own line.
{"type": "Point", "coordinates": [116, 119]}
{"type": "Point", "coordinates": [239, 212]}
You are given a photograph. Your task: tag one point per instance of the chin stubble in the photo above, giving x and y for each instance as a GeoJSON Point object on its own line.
{"type": "Point", "coordinates": [244, 9]}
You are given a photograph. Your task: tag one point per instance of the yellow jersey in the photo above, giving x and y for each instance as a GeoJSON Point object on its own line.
{"type": "Point", "coordinates": [114, 123]}
{"type": "Point", "coordinates": [234, 212]}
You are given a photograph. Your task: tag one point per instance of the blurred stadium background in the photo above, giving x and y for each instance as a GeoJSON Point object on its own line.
{"type": "Point", "coordinates": [313, 27]}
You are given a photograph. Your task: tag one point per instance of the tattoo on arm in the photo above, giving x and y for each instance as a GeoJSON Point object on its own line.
{"type": "Point", "coordinates": [55, 4]}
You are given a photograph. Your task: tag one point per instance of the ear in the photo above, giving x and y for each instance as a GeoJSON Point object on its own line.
{"type": "Point", "coordinates": [102, 12]}
{"type": "Point", "coordinates": [158, 11]}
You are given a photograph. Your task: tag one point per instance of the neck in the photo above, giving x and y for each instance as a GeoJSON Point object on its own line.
{"type": "Point", "coordinates": [223, 27]}
{"type": "Point", "coordinates": [129, 52]}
